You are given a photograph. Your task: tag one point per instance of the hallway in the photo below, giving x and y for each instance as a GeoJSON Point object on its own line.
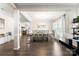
{"type": "Point", "coordinates": [53, 48]}
{"type": "Point", "coordinates": [18, 21]}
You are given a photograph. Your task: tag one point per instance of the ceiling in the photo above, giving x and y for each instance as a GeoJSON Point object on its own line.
{"type": "Point", "coordinates": [42, 16]}
{"type": "Point", "coordinates": [23, 18]}
{"type": "Point", "coordinates": [45, 6]}
{"type": "Point", "coordinates": [54, 9]}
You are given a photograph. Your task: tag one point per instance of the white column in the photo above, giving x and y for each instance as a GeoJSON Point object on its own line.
{"type": "Point", "coordinates": [17, 30]}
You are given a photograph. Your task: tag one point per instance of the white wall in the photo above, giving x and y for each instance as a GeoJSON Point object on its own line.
{"type": "Point", "coordinates": [7, 13]}
{"type": "Point", "coordinates": [37, 25]}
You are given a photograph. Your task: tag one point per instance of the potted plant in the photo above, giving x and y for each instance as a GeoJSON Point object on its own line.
{"type": "Point", "coordinates": [77, 19]}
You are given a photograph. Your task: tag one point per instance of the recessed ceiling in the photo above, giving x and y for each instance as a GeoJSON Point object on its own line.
{"type": "Point", "coordinates": [49, 4]}
{"type": "Point", "coordinates": [38, 11]}
{"type": "Point", "coordinates": [42, 16]}
{"type": "Point", "coordinates": [23, 18]}
{"type": "Point", "coordinates": [45, 6]}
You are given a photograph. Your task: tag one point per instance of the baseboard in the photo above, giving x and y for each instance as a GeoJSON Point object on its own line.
{"type": "Point", "coordinates": [65, 44]}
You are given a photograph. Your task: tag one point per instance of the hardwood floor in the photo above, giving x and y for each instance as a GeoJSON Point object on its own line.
{"type": "Point", "coordinates": [51, 48]}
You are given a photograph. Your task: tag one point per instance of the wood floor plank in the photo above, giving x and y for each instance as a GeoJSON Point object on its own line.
{"type": "Point", "coordinates": [53, 48]}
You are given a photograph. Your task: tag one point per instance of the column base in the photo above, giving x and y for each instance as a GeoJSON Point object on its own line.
{"type": "Point", "coordinates": [16, 48]}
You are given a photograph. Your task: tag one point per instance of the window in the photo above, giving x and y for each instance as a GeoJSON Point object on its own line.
{"type": "Point", "coordinates": [2, 23]}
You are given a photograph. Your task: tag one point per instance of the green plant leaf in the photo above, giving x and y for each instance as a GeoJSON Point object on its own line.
{"type": "Point", "coordinates": [77, 19]}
